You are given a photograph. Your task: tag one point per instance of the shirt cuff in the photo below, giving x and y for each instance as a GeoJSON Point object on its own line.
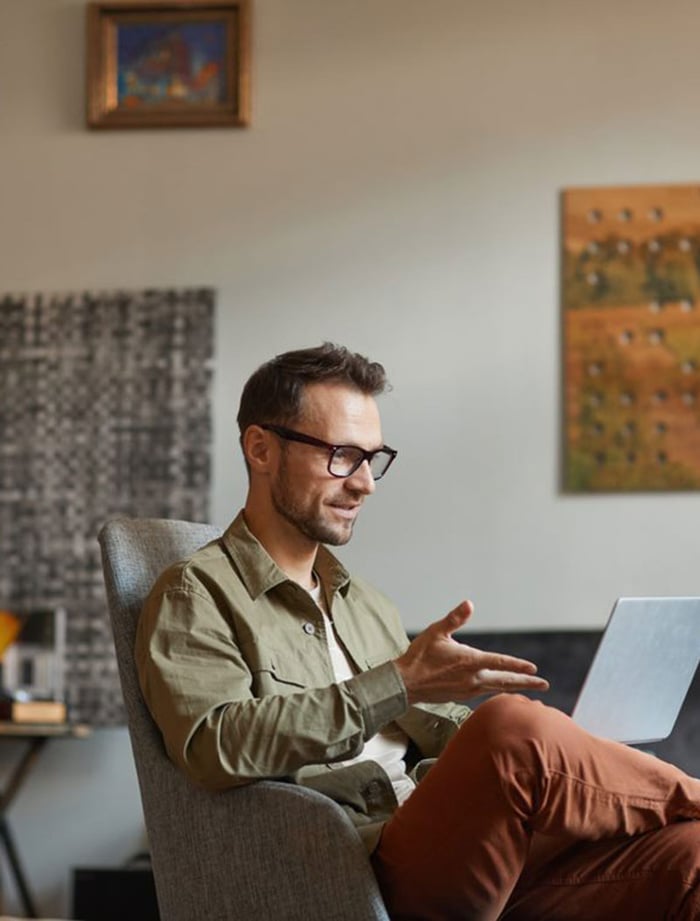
{"type": "Point", "coordinates": [381, 694]}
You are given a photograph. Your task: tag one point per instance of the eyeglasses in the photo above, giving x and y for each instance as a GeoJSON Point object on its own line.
{"type": "Point", "coordinates": [343, 460]}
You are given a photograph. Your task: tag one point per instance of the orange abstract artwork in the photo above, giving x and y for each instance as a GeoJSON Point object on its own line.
{"type": "Point", "coordinates": [631, 327]}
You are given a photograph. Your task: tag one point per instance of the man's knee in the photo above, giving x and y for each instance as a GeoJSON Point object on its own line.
{"type": "Point", "coordinates": [507, 718]}
{"type": "Point", "coordinates": [513, 733]}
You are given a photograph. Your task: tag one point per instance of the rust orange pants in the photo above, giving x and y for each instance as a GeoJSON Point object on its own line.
{"type": "Point", "coordinates": [527, 817]}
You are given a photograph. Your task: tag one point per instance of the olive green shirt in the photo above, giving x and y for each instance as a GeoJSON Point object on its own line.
{"type": "Point", "coordinates": [234, 666]}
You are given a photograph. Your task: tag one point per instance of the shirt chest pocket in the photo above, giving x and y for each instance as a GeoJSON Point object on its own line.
{"type": "Point", "coordinates": [276, 672]}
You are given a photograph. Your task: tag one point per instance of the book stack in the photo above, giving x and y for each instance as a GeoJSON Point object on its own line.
{"type": "Point", "coordinates": [32, 711]}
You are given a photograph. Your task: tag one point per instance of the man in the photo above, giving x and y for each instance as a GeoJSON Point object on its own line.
{"type": "Point", "coordinates": [261, 658]}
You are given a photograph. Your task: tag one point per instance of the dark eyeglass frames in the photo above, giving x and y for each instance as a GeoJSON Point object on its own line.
{"type": "Point", "coordinates": [343, 460]}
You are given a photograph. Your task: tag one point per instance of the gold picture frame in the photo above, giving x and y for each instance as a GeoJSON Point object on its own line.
{"type": "Point", "coordinates": [168, 64]}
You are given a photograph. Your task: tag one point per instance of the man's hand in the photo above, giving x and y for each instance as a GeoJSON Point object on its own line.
{"type": "Point", "coordinates": [437, 669]}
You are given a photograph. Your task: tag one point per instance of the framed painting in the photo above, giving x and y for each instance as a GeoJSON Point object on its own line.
{"type": "Point", "coordinates": [631, 338]}
{"type": "Point", "coordinates": [168, 64]}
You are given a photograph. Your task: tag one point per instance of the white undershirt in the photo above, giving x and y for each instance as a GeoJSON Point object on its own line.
{"type": "Point", "coordinates": [387, 747]}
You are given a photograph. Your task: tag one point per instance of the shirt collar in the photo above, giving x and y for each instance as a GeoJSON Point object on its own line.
{"type": "Point", "coordinates": [260, 573]}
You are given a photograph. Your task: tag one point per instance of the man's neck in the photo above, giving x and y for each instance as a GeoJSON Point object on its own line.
{"type": "Point", "coordinates": [294, 553]}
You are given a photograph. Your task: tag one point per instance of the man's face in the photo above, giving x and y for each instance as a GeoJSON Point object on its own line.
{"type": "Point", "coordinates": [318, 505]}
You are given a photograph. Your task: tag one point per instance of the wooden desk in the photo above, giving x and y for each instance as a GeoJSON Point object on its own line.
{"type": "Point", "coordinates": [36, 735]}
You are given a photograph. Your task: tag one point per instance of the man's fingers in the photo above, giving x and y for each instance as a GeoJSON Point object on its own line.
{"type": "Point", "coordinates": [498, 662]}
{"type": "Point", "coordinates": [491, 680]}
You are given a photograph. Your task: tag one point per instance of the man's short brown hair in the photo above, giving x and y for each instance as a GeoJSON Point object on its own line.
{"type": "Point", "coordinates": [274, 393]}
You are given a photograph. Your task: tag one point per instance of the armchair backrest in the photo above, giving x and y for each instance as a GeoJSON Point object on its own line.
{"type": "Point", "coordinates": [134, 553]}
{"type": "Point", "coordinates": [268, 850]}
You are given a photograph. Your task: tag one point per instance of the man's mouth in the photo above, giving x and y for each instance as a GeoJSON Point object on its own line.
{"type": "Point", "coordinates": [345, 510]}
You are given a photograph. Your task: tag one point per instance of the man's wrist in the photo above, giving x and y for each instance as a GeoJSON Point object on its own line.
{"type": "Point", "coordinates": [404, 677]}
{"type": "Point", "coordinates": [381, 693]}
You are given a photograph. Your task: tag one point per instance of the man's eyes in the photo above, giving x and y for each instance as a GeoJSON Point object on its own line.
{"type": "Point", "coordinates": [346, 452]}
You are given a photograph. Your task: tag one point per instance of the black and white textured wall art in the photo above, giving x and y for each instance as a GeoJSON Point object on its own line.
{"type": "Point", "coordinates": [104, 411]}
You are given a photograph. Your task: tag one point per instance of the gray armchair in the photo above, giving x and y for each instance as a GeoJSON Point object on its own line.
{"type": "Point", "coordinates": [268, 850]}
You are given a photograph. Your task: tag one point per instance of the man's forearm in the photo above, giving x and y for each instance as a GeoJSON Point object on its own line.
{"type": "Point", "coordinates": [240, 741]}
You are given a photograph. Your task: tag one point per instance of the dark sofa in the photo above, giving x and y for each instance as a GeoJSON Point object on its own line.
{"type": "Point", "coordinates": [563, 657]}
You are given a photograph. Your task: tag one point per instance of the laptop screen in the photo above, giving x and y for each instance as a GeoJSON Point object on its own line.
{"type": "Point", "coordinates": [642, 669]}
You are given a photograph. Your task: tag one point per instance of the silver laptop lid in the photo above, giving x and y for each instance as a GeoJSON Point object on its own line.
{"type": "Point", "coordinates": [642, 669]}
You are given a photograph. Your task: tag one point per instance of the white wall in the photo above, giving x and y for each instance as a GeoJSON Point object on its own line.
{"type": "Point", "coordinates": [398, 192]}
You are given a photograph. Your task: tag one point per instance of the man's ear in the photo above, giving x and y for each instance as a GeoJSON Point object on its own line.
{"type": "Point", "coordinates": [257, 449]}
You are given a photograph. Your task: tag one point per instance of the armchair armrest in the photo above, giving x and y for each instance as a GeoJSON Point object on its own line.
{"type": "Point", "coordinates": [263, 851]}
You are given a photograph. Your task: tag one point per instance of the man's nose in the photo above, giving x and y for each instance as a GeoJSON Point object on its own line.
{"type": "Point", "coordinates": [362, 480]}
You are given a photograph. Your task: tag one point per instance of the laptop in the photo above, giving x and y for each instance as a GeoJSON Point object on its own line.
{"type": "Point", "coordinates": [642, 669]}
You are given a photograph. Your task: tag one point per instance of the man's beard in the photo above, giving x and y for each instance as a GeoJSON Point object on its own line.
{"type": "Point", "coordinates": [304, 520]}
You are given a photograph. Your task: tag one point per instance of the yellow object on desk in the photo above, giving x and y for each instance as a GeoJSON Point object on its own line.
{"type": "Point", "coordinates": [10, 624]}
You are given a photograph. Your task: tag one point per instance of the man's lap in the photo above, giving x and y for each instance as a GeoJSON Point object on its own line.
{"type": "Point", "coordinates": [458, 847]}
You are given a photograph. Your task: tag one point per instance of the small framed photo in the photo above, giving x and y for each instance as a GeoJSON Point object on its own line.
{"type": "Point", "coordinates": [168, 63]}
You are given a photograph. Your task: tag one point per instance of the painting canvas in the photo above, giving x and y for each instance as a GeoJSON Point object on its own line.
{"type": "Point", "coordinates": [158, 62]}
{"type": "Point", "coordinates": [631, 338]}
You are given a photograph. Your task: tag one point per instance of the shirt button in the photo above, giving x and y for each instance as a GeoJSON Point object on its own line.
{"type": "Point", "coordinates": [309, 629]}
